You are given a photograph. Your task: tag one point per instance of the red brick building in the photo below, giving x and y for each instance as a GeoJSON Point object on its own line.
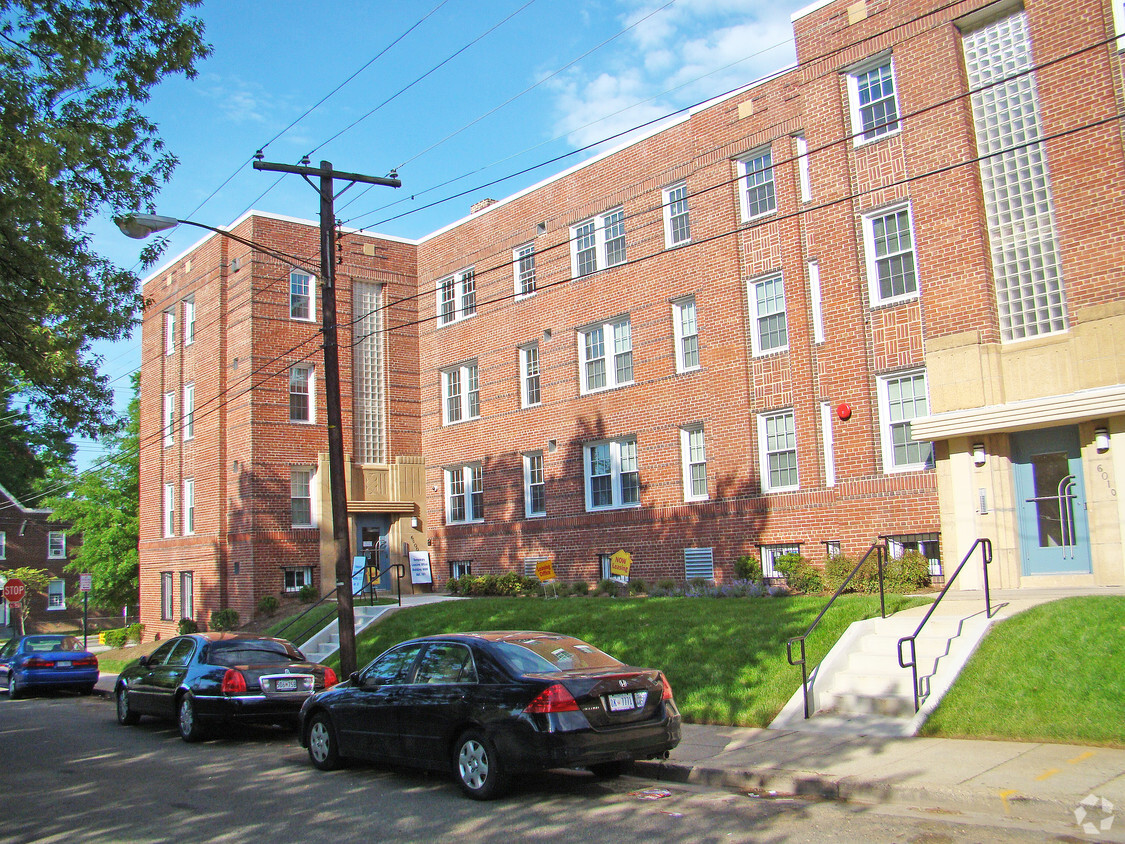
{"type": "Point", "coordinates": [875, 294]}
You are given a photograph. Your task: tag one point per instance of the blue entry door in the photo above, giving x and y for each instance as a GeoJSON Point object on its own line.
{"type": "Point", "coordinates": [1054, 533]}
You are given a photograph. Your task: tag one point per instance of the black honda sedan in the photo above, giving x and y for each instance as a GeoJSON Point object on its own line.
{"type": "Point", "coordinates": [492, 705]}
{"type": "Point", "coordinates": [206, 678]}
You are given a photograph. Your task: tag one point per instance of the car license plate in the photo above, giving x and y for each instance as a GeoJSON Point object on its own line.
{"type": "Point", "coordinates": [63, 663]}
{"type": "Point", "coordinates": [289, 685]}
{"type": "Point", "coordinates": [621, 702]}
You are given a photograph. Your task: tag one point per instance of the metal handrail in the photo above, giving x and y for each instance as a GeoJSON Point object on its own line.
{"type": "Point", "coordinates": [986, 558]}
{"type": "Point", "coordinates": [369, 583]}
{"type": "Point", "coordinates": [878, 549]}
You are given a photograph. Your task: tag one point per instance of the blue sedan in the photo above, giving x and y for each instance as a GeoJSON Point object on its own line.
{"type": "Point", "coordinates": [47, 661]}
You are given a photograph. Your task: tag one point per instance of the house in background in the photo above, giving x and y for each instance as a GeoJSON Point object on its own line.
{"type": "Point", "coordinates": [878, 294]}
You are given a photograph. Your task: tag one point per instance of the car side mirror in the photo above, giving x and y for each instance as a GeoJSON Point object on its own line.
{"type": "Point", "coordinates": [142, 661]}
{"type": "Point", "coordinates": [354, 678]}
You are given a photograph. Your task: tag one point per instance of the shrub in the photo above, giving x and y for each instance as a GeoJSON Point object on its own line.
{"type": "Point", "coordinates": [666, 584]}
{"type": "Point", "coordinates": [533, 585]}
{"type": "Point", "coordinates": [747, 567]}
{"type": "Point", "coordinates": [607, 586]}
{"type": "Point", "coordinates": [187, 625]}
{"type": "Point", "coordinates": [800, 575]}
{"type": "Point", "coordinates": [224, 619]}
{"type": "Point", "coordinates": [453, 585]}
{"type": "Point", "coordinates": [308, 594]}
{"type": "Point", "coordinates": [836, 568]}
{"type": "Point", "coordinates": [115, 638]}
{"type": "Point", "coordinates": [134, 632]}
{"type": "Point", "coordinates": [580, 587]}
{"type": "Point", "coordinates": [507, 584]}
{"type": "Point", "coordinates": [907, 573]}
{"type": "Point", "coordinates": [637, 586]}
{"type": "Point", "coordinates": [268, 605]}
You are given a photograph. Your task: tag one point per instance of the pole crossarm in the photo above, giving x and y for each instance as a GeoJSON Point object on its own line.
{"type": "Point", "coordinates": [307, 170]}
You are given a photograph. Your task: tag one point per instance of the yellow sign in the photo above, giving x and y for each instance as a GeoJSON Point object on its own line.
{"type": "Point", "coordinates": [545, 570]}
{"type": "Point", "coordinates": [619, 564]}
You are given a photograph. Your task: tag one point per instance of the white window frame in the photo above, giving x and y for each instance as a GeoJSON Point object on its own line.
{"type": "Point", "coordinates": [295, 578]}
{"type": "Point", "coordinates": [460, 393]}
{"type": "Point", "coordinates": [616, 347]}
{"type": "Point", "coordinates": [747, 169]}
{"type": "Point", "coordinates": [3, 545]}
{"type": "Point", "coordinates": [1119, 22]}
{"type": "Point", "coordinates": [534, 475]}
{"type": "Point", "coordinates": [187, 594]}
{"type": "Point", "coordinates": [803, 176]}
{"type": "Point", "coordinates": [169, 332]}
{"type": "Point", "coordinates": [620, 453]}
{"type": "Point", "coordinates": [167, 603]}
{"type": "Point", "coordinates": [459, 290]}
{"type": "Point", "coordinates": [169, 418]}
{"type": "Point", "coordinates": [308, 380]}
{"type": "Point", "coordinates": [523, 270]}
{"type": "Point", "coordinates": [676, 209]}
{"type": "Point", "coordinates": [301, 488]}
{"type": "Point", "coordinates": [302, 296]}
{"type": "Point", "coordinates": [189, 411]}
{"type": "Point", "coordinates": [759, 316]}
{"type": "Point", "coordinates": [189, 506]}
{"type": "Point", "coordinates": [169, 510]}
{"type": "Point", "coordinates": [189, 321]}
{"type": "Point", "coordinates": [769, 555]}
{"type": "Point", "coordinates": [828, 444]}
{"type": "Point", "coordinates": [693, 453]}
{"type": "Point", "coordinates": [56, 545]}
{"type": "Point", "coordinates": [685, 329]}
{"type": "Point", "coordinates": [594, 230]}
{"type": "Point", "coordinates": [56, 594]}
{"type": "Point", "coordinates": [888, 422]}
{"type": "Point", "coordinates": [461, 482]}
{"type": "Point", "coordinates": [768, 447]}
{"type": "Point", "coordinates": [861, 136]}
{"type": "Point", "coordinates": [816, 300]}
{"type": "Point", "coordinates": [531, 376]}
{"type": "Point", "coordinates": [873, 260]}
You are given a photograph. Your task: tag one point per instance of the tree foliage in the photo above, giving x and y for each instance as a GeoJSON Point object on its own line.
{"type": "Point", "coordinates": [104, 508]}
{"type": "Point", "coordinates": [30, 447]}
{"type": "Point", "coordinates": [34, 580]}
{"type": "Point", "coordinates": [74, 144]}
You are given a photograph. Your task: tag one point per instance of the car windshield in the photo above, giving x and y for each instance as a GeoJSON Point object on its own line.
{"type": "Point", "coordinates": [47, 644]}
{"type": "Point", "coordinates": [538, 654]}
{"type": "Point", "coordinates": [262, 652]}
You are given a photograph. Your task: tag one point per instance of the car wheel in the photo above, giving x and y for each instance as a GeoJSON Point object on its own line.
{"type": "Point", "coordinates": [477, 767]}
{"type": "Point", "coordinates": [611, 770]}
{"type": "Point", "coordinates": [126, 717]}
{"type": "Point", "coordinates": [190, 728]}
{"type": "Point", "coordinates": [14, 690]}
{"type": "Point", "coordinates": [323, 749]}
{"type": "Point", "coordinates": [86, 690]}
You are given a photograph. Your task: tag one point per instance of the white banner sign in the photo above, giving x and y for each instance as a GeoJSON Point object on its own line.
{"type": "Point", "coordinates": [420, 567]}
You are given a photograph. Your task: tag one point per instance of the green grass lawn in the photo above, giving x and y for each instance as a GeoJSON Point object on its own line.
{"type": "Point", "coordinates": [1052, 673]}
{"type": "Point", "coordinates": [725, 658]}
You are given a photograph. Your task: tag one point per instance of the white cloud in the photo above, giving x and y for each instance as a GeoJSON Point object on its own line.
{"type": "Point", "coordinates": [239, 101]}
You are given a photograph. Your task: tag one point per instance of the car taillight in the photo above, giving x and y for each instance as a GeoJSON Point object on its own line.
{"type": "Point", "coordinates": [666, 693]}
{"type": "Point", "coordinates": [553, 699]}
{"type": "Point", "coordinates": [86, 662]}
{"type": "Point", "coordinates": [329, 678]}
{"type": "Point", "coordinates": [233, 682]}
{"type": "Point", "coordinates": [39, 662]}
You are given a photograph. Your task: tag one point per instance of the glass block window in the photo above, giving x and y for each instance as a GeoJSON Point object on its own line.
{"type": "Point", "coordinates": [368, 384]}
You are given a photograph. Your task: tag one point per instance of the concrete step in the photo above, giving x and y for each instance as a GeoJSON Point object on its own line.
{"type": "Point", "coordinates": [886, 684]}
{"type": "Point", "coordinates": [853, 703]}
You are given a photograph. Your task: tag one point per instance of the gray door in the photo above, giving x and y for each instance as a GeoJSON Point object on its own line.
{"type": "Point", "coordinates": [1054, 534]}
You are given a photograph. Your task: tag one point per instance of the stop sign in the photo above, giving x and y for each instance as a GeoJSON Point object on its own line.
{"type": "Point", "coordinates": [14, 590]}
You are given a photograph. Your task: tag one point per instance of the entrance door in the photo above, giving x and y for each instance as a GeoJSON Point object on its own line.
{"type": "Point", "coordinates": [374, 545]}
{"type": "Point", "coordinates": [1054, 534]}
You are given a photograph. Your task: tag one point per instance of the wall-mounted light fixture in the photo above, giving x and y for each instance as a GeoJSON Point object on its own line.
{"type": "Point", "coordinates": [1101, 440]}
{"type": "Point", "coordinates": [414, 523]}
{"type": "Point", "coordinates": [979, 454]}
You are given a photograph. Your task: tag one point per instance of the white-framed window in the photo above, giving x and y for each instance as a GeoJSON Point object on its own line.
{"type": "Point", "coordinates": [816, 301]}
{"type": "Point", "coordinates": [534, 485]}
{"type": "Point", "coordinates": [460, 568]}
{"type": "Point", "coordinates": [612, 474]}
{"type": "Point", "coordinates": [56, 545]}
{"type": "Point", "coordinates": [605, 564]}
{"type": "Point", "coordinates": [597, 243]}
{"type": "Point", "coordinates": [301, 496]}
{"type": "Point", "coordinates": [777, 449]}
{"type": "Point", "coordinates": [166, 606]}
{"type": "Point", "coordinates": [3, 545]}
{"type": "Point", "coordinates": [677, 226]}
{"type": "Point", "coordinates": [189, 411]}
{"type": "Point", "coordinates": [189, 508]}
{"type": "Point", "coordinates": [169, 418]}
{"type": "Point", "coordinates": [464, 494]}
{"type": "Point", "coordinates": [803, 167]}
{"type": "Point", "coordinates": [296, 578]}
{"type": "Point", "coordinates": [770, 554]}
{"type": "Point", "coordinates": [605, 355]}
{"type": "Point", "coordinates": [456, 296]}
{"type": "Point", "coordinates": [530, 387]}
{"type": "Point", "coordinates": [755, 179]}
{"type": "Point", "coordinates": [187, 594]}
{"type": "Point", "coordinates": [302, 305]}
{"type": "Point", "coordinates": [1119, 22]}
{"type": "Point", "coordinates": [873, 100]}
{"type": "Point", "coordinates": [169, 510]}
{"type": "Point", "coordinates": [169, 332]}
{"type": "Point", "coordinates": [693, 456]}
{"type": "Point", "coordinates": [189, 321]}
{"type": "Point", "coordinates": [686, 331]}
{"type": "Point", "coordinates": [888, 243]}
{"type": "Point", "coordinates": [56, 594]}
{"type": "Point", "coordinates": [769, 332]}
{"type": "Point", "coordinates": [301, 393]}
{"type": "Point", "coordinates": [828, 444]}
{"type": "Point", "coordinates": [460, 389]}
{"type": "Point", "coordinates": [523, 268]}
{"type": "Point", "coordinates": [902, 398]}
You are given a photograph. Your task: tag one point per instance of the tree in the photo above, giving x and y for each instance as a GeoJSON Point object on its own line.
{"type": "Point", "coordinates": [73, 145]}
{"type": "Point", "coordinates": [29, 447]}
{"type": "Point", "coordinates": [103, 506]}
{"type": "Point", "coordinates": [34, 580]}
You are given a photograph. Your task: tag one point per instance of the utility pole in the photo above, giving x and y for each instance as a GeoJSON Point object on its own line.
{"type": "Point", "coordinates": [336, 478]}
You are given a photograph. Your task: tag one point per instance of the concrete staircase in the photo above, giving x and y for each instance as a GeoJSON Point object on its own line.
{"type": "Point", "coordinates": [859, 687]}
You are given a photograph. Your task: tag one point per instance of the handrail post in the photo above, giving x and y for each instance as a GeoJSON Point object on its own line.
{"type": "Point", "coordinates": [882, 596]}
{"type": "Point", "coordinates": [986, 558]}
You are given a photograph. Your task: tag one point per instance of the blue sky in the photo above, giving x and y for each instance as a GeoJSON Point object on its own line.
{"type": "Point", "coordinates": [447, 92]}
